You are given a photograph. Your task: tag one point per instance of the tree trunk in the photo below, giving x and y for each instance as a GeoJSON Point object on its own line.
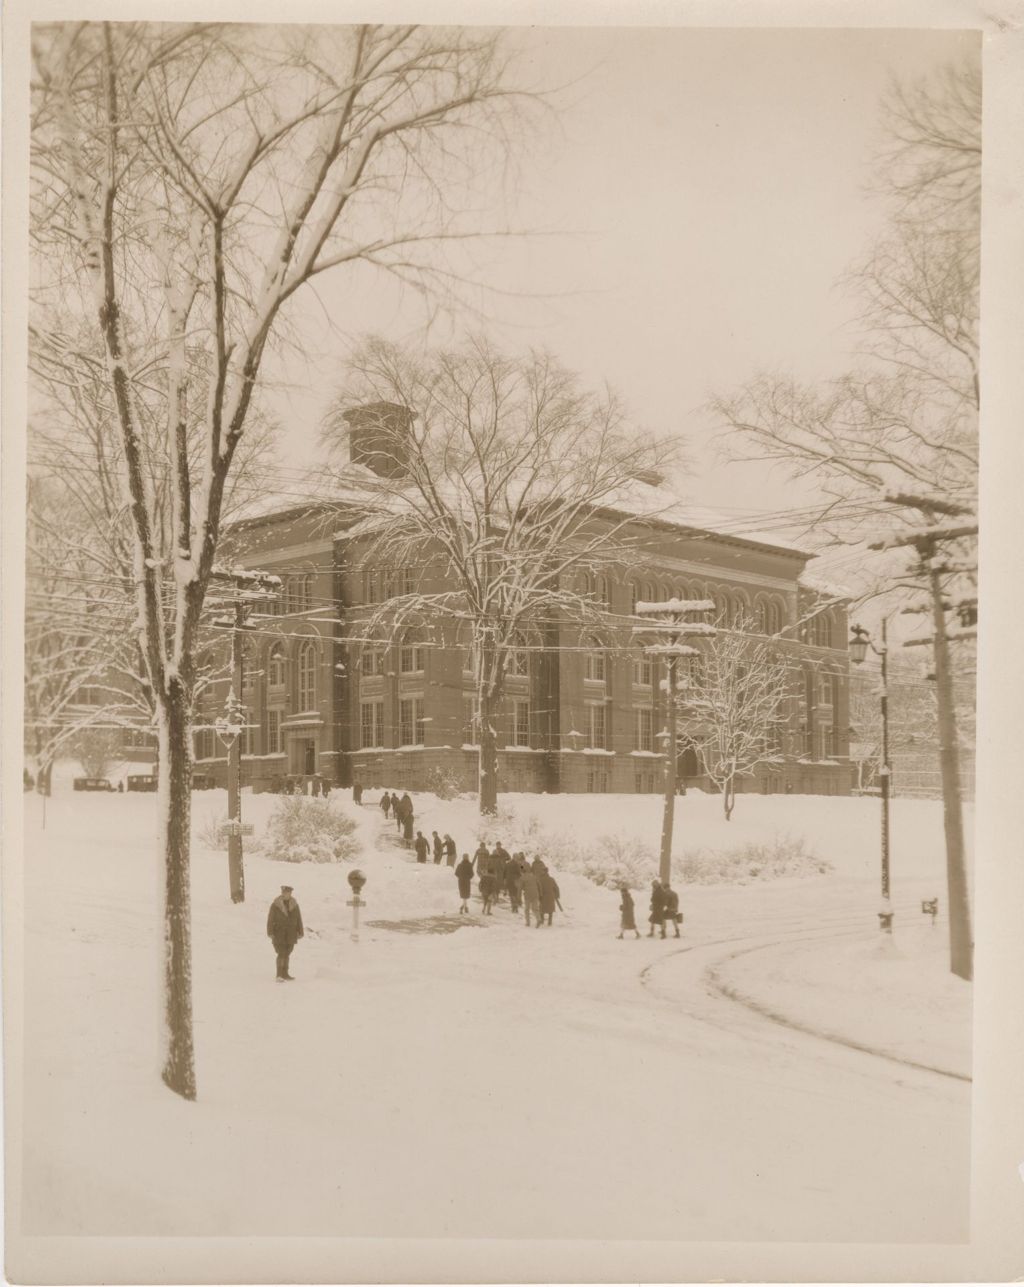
{"type": "Point", "coordinates": [175, 782]}
{"type": "Point", "coordinates": [488, 756]}
{"type": "Point", "coordinates": [728, 798]}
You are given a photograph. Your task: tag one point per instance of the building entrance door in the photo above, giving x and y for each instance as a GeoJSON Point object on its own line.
{"type": "Point", "coordinates": [309, 757]}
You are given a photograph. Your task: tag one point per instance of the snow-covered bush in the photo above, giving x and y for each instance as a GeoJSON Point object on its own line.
{"type": "Point", "coordinates": [783, 855]}
{"type": "Point", "coordinates": [209, 832]}
{"type": "Point", "coordinates": [446, 784]}
{"type": "Point", "coordinates": [307, 829]}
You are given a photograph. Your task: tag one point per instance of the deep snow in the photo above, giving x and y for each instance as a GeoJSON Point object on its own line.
{"type": "Point", "coordinates": [466, 1080]}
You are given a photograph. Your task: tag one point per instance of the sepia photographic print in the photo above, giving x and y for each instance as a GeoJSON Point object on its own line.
{"type": "Point", "coordinates": [499, 579]}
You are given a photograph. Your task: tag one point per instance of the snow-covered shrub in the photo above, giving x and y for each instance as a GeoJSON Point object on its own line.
{"type": "Point", "coordinates": [782, 856]}
{"type": "Point", "coordinates": [308, 829]}
{"type": "Point", "coordinates": [209, 830]}
{"type": "Point", "coordinates": [446, 784]}
{"type": "Point", "coordinates": [606, 860]}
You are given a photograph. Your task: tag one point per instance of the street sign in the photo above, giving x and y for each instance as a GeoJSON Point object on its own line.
{"type": "Point", "coordinates": [237, 828]}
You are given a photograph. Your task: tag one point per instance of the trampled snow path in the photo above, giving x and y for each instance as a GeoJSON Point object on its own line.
{"type": "Point", "coordinates": [499, 1081]}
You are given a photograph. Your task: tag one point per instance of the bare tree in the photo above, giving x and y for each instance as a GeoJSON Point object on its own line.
{"type": "Point", "coordinates": [894, 442]}
{"type": "Point", "coordinates": [734, 705]}
{"type": "Point", "coordinates": [511, 482]}
{"type": "Point", "coordinates": [189, 181]}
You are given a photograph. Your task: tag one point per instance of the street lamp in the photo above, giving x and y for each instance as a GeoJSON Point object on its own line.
{"type": "Point", "coordinates": [860, 642]}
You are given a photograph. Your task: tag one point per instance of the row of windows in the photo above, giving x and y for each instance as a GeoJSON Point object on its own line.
{"type": "Point", "coordinates": [382, 584]}
{"type": "Point", "coordinates": [208, 745]}
{"type": "Point", "coordinates": [306, 667]}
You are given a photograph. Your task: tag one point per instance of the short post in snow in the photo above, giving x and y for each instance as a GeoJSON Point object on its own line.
{"type": "Point", "coordinates": [930, 907]}
{"type": "Point", "coordinates": [356, 880]}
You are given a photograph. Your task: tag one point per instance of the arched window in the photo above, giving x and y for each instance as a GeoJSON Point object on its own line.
{"type": "Point", "coordinates": [634, 595]}
{"type": "Point", "coordinates": [276, 666]}
{"type": "Point", "coordinates": [822, 628]}
{"type": "Point", "coordinates": [603, 590]}
{"type": "Point", "coordinates": [760, 616]}
{"type": "Point", "coordinates": [643, 670]}
{"type": "Point", "coordinates": [596, 662]}
{"type": "Point", "coordinates": [411, 657]}
{"type": "Point", "coordinates": [307, 677]}
{"type": "Point", "coordinates": [773, 617]}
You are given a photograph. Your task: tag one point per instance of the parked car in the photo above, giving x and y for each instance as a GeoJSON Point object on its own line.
{"type": "Point", "coordinates": [203, 782]}
{"type": "Point", "coordinates": [93, 784]}
{"type": "Point", "coordinates": [141, 782]}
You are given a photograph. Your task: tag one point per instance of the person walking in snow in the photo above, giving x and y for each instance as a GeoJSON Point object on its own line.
{"type": "Point", "coordinates": [357, 792]}
{"type": "Point", "coordinates": [422, 846]}
{"type": "Point", "coordinates": [510, 879]}
{"type": "Point", "coordinates": [657, 916]}
{"type": "Point", "coordinates": [406, 803]}
{"type": "Point", "coordinates": [627, 912]}
{"type": "Point", "coordinates": [488, 887]}
{"type": "Point", "coordinates": [385, 804]}
{"type": "Point", "coordinates": [482, 857]}
{"type": "Point", "coordinates": [397, 813]}
{"type": "Point", "coordinates": [284, 929]}
{"type": "Point", "coordinates": [671, 910]}
{"type": "Point", "coordinates": [449, 849]}
{"type": "Point", "coordinates": [464, 875]}
{"type": "Point", "coordinates": [549, 892]}
{"type": "Point", "coordinates": [531, 896]}
{"type": "Point", "coordinates": [438, 847]}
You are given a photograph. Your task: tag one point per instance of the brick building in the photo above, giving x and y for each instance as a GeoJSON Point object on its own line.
{"type": "Point", "coordinates": [583, 706]}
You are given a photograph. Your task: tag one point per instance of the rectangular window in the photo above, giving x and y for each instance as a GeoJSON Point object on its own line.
{"type": "Point", "coordinates": [408, 580]}
{"type": "Point", "coordinates": [597, 781]}
{"type": "Point", "coordinates": [411, 656]}
{"type": "Point", "coordinates": [520, 722]}
{"type": "Point", "coordinates": [644, 783]}
{"type": "Point", "coordinates": [273, 732]}
{"type": "Point", "coordinates": [643, 671]}
{"type": "Point", "coordinates": [412, 727]}
{"type": "Point", "coordinates": [643, 729]}
{"type": "Point", "coordinates": [373, 660]}
{"type": "Point", "coordinates": [597, 726]}
{"type": "Point", "coordinates": [247, 737]}
{"type": "Point", "coordinates": [470, 721]}
{"type": "Point", "coordinates": [372, 724]}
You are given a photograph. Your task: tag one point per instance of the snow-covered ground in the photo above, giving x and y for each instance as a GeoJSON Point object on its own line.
{"type": "Point", "coordinates": [450, 1077]}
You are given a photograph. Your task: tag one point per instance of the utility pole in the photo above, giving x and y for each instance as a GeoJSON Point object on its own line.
{"type": "Point", "coordinates": [671, 768]}
{"type": "Point", "coordinates": [927, 542]}
{"type": "Point", "coordinates": [248, 588]}
{"type": "Point", "coordinates": [671, 626]}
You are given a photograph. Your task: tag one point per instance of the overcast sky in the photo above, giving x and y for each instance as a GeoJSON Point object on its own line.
{"type": "Point", "coordinates": [705, 187]}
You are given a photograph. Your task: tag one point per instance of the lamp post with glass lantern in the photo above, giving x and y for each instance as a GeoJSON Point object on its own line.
{"type": "Point", "coordinates": [860, 642]}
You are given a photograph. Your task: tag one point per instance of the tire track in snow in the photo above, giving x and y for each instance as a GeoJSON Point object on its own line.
{"type": "Point", "coordinates": [843, 926]}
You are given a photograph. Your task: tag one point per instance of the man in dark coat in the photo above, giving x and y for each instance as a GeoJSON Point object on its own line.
{"type": "Point", "coordinates": [449, 849]}
{"type": "Point", "coordinates": [510, 879]}
{"type": "Point", "coordinates": [464, 875]}
{"type": "Point", "coordinates": [422, 846]}
{"type": "Point", "coordinates": [628, 921]}
{"type": "Point", "coordinates": [406, 803]}
{"type": "Point", "coordinates": [284, 929]}
{"type": "Point", "coordinates": [670, 913]}
{"type": "Point", "coordinates": [398, 812]}
{"type": "Point", "coordinates": [549, 892]}
{"type": "Point", "coordinates": [657, 916]}
{"type": "Point", "coordinates": [438, 847]}
{"type": "Point", "coordinates": [357, 792]}
{"type": "Point", "coordinates": [385, 803]}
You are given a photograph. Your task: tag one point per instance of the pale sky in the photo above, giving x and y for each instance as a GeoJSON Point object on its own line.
{"type": "Point", "coordinates": [707, 188]}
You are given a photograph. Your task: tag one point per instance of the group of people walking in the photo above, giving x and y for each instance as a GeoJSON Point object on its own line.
{"type": "Point", "coordinates": [530, 887]}
{"type": "Point", "coordinates": [400, 808]}
{"type": "Point", "coordinates": [443, 848]}
{"type": "Point", "coordinates": [664, 910]}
